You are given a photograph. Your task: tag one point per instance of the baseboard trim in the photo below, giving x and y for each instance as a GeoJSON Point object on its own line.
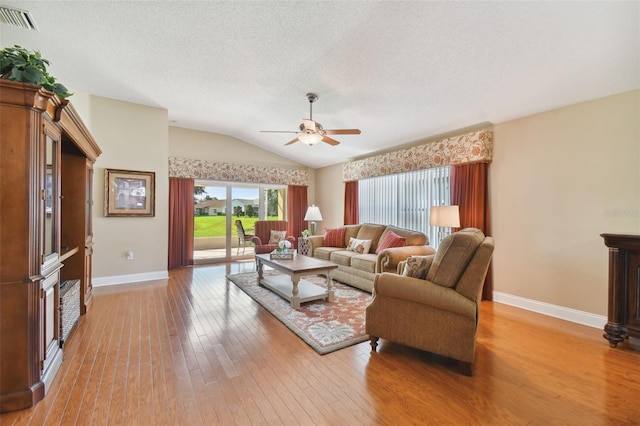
{"type": "Point", "coordinates": [561, 312]}
{"type": "Point", "coordinates": [128, 279]}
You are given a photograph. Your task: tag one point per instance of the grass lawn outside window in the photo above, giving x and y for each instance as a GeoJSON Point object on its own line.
{"type": "Point", "coordinates": [216, 226]}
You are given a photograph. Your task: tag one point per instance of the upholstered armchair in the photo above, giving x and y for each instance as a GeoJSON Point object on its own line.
{"type": "Point", "coordinates": [263, 238]}
{"type": "Point", "coordinates": [434, 302]}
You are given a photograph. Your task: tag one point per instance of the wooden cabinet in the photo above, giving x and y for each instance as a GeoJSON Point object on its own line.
{"type": "Point", "coordinates": [46, 166]}
{"type": "Point", "coordinates": [623, 316]}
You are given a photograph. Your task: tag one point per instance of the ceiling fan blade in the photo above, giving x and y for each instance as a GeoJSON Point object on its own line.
{"type": "Point", "coordinates": [330, 141]}
{"type": "Point", "coordinates": [343, 132]}
{"type": "Point", "coordinates": [278, 131]}
{"type": "Point", "coordinates": [291, 141]}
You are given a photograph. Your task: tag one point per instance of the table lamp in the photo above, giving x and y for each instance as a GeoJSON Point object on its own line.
{"type": "Point", "coordinates": [313, 214]}
{"type": "Point", "coordinates": [444, 217]}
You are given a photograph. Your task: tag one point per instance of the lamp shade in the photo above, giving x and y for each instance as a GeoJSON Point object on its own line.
{"type": "Point", "coordinates": [313, 213]}
{"type": "Point", "coordinates": [445, 216]}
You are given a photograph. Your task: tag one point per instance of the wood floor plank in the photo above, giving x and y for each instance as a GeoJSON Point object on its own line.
{"type": "Point", "coordinates": [196, 350]}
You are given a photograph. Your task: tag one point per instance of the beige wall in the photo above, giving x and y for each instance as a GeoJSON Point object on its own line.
{"type": "Point", "coordinates": [330, 197]}
{"type": "Point", "coordinates": [132, 137]}
{"type": "Point", "coordinates": [558, 180]}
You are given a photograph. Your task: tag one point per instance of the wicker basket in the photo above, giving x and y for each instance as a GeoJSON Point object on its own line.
{"type": "Point", "coordinates": [69, 308]}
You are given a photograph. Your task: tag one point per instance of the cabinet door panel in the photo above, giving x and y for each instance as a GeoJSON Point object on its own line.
{"type": "Point", "coordinates": [50, 327]}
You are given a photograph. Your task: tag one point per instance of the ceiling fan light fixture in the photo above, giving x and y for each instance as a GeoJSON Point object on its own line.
{"type": "Point", "coordinates": [310, 138]}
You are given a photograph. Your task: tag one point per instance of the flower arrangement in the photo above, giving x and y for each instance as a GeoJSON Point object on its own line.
{"type": "Point", "coordinates": [284, 244]}
{"type": "Point", "coordinates": [305, 233]}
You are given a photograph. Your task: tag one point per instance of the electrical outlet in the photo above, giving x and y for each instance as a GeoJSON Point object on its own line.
{"type": "Point", "coordinates": [129, 255]}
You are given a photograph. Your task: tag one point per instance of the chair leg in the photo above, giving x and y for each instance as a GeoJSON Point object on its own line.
{"type": "Point", "coordinates": [374, 343]}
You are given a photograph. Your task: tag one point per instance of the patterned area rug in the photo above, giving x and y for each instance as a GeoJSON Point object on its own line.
{"type": "Point", "coordinates": [325, 326]}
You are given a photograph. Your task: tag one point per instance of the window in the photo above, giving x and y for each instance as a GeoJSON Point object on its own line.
{"type": "Point", "coordinates": [405, 199]}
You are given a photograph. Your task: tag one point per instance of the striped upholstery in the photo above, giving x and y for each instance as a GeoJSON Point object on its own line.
{"type": "Point", "coordinates": [334, 237]}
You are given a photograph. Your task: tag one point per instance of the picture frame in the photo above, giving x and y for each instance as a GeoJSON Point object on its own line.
{"type": "Point", "coordinates": [129, 193]}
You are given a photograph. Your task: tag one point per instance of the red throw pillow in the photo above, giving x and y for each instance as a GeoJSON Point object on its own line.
{"type": "Point", "coordinates": [391, 240]}
{"type": "Point", "coordinates": [334, 237]}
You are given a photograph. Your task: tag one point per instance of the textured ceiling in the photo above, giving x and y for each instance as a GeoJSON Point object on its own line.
{"type": "Point", "coordinates": [399, 71]}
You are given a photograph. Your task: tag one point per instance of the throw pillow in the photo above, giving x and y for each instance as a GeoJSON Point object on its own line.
{"type": "Point", "coordinates": [391, 240]}
{"type": "Point", "coordinates": [334, 237]}
{"type": "Point", "coordinates": [417, 266]}
{"type": "Point", "coordinates": [359, 246]}
{"type": "Point", "coordinates": [277, 236]}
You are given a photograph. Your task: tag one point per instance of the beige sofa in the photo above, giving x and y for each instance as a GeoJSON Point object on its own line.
{"type": "Point", "coordinates": [359, 270]}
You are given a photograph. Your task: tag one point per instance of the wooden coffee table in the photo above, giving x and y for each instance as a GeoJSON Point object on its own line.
{"type": "Point", "coordinates": [290, 285]}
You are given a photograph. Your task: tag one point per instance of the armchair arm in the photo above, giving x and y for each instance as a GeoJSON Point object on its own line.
{"type": "Point", "coordinates": [292, 240]}
{"type": "Point", "coordinates": [388, 259]}
{"type": "Point", "coordinates": [256, 240]}
{"type": "Point", "coordinates": [424, 292]}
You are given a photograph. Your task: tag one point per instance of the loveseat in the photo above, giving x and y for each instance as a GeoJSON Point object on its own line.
{"type": "Point", "coordinates": [359, 262]}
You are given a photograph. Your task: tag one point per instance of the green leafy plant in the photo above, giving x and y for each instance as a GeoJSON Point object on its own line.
{"type": "Point", "coordinates": [28, 66]}
{"type": "Point", "coordinates": [305, 232]}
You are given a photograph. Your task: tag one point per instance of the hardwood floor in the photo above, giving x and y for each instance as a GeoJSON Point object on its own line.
{"type": "Point", "coordinates": [198, 351]}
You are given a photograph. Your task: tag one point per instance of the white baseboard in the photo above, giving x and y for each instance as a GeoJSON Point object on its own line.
{"type": "Point", "coordinates": [128, 279]}
{"type": "Point", "coordinates": [561, 312]}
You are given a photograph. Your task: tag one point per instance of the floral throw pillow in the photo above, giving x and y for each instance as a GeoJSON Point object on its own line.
{"type": "Point", "coordinates": [277, 236]}
{"type": "Point", "coordinates": [359, 246]}
{"type": "Point", "coordinates": [417, 266]}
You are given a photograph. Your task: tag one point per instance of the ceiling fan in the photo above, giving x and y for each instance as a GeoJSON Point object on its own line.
{"type": "Point", "coordinates": [311, 132]}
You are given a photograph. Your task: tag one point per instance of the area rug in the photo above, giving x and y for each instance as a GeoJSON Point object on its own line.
{"type": "Point", "coordinates": [325, 326]}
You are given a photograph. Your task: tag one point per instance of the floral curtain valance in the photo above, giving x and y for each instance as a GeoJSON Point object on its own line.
{"type": "Point", "coordinates": [211, 170]}
{"type": "Point", "coordinates": [472, 147]}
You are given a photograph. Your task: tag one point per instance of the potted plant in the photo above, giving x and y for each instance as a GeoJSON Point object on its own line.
{"type": "Point", "coordinates": [28, 66]}
{"type": "Point", "coordinates": [305, 233]}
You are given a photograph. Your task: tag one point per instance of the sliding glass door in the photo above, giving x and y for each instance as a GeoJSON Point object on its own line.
{"type": "Point", "coordinates": [219, 206]}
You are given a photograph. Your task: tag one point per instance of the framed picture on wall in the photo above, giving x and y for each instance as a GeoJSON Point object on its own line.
{"type": "Point", "coordinates": [129, 193]}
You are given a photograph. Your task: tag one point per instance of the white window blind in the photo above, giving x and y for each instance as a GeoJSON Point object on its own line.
{"type": "Point", "coordinates": [405, 199]}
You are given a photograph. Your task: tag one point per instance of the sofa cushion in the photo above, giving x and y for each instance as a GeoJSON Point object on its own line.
{"type": "Point", "coordinates": [453, 255]}
{"type": "Point", "coordinates": [334, 237]}
{"type": "Point", "coordinates": [364, 262]}
{"type": "Point", "coordinates": [370, 231]}
{"type": "Point", "coordinates": [352, 232]}
{"type": "Point", "coordinates": [390, 239]}
{"type": "Point", "coordinates": [324, 253]}
{"type": "Point", "coordinates": [359, 246]}
{"type": "Point", "coordinates": [276, 236]}
{"type": "Point", "coordinates": [343, 257]}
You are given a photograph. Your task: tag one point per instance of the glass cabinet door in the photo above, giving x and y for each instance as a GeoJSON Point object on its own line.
{"type": "Point", "coordinates": [50, 194]}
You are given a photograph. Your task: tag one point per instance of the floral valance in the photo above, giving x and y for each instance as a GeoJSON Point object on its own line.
{"type": "Point", "coordinates": [472, 147]}
{"type": "Point", "coordinates": [211, 170]}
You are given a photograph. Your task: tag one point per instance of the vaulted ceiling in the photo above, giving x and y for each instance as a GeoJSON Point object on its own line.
{"type": "Point", "coordinates": [399, 71]}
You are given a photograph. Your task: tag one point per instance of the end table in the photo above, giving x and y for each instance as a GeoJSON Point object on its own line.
{"type": "Point", "coordinates": [304, 246]}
